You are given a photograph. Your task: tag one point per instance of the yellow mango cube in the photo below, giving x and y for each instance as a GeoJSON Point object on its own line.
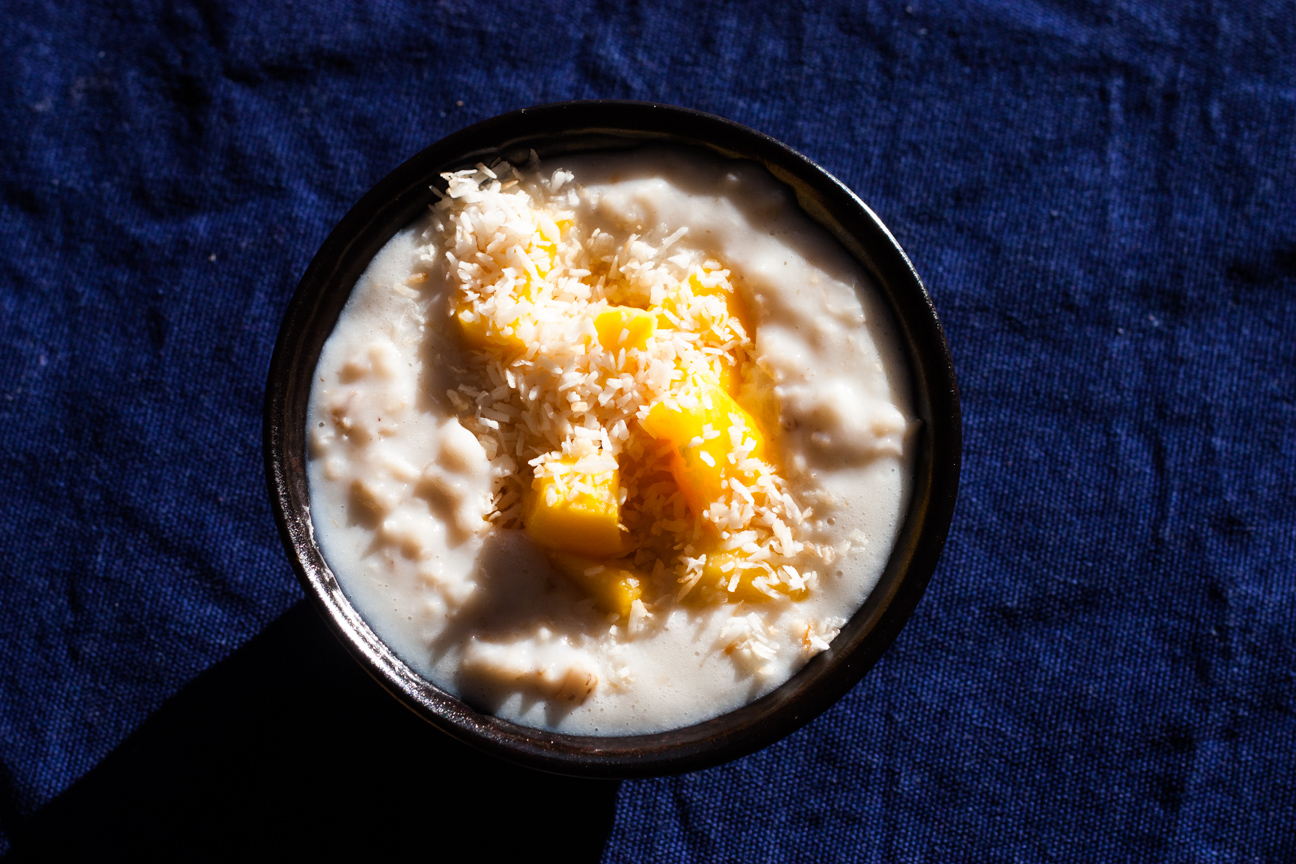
{"type": "Point", "coordinates": [613, 584]}
{"type": "Point", "coordinates": [576, 512]}
{"type": "Point", "coordinates": [719, 573]}
{"type": "Point", "coordinates": [735, 306]}
{"type": "Point", "coordinates": [734, 302]}
{"type": "Point", "coordinates": [484, 333]}
{"type": "Point", "coordinates": [624, 327]}
{"type": "Point", "coordinates": [754, 391]}
{"type": "Point", "coordinates": [703, 437]}
{"type": "Point", "coordinates": [544, 262]}
{"type": "Point", "coordinates": [548, 233]}
{"type": "Point", "coordinates": [729, 378]}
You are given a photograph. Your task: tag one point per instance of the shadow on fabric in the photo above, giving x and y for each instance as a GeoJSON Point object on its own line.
{"type": "Point", "coordinates": [289, 746]}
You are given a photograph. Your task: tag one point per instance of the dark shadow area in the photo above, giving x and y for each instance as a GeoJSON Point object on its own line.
{"type": "Point", "coordinates": [289, 747]}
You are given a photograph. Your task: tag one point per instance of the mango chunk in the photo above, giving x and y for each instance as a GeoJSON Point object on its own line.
{"type": "Point", "coordinates": [703, 437]}
{"type": "Point", "coordinates": [544, 262]}
{"type": "Point", "coordinates": [624, 327]}
{"type": "Point", "coordinates": [577, 512]}
{"type": "Point", "coordinates": [753, 389]}
{"type": "Point", "coordinates": [735, 306]}
{"type": "Point", "coordinates": [484, 333]}
{"type": "Point", "coordinates": [480, 333]}
{"type": "Point", "coordinates": [548, 233]}
{"type": "Point", "coordinates": [730, 380]}
{"type": "Point", "coordinates": [719, 573]}
{"type": "Point", "coordinates": [734, 302]}
{"type": "Point", "coordinates": [613, 584]}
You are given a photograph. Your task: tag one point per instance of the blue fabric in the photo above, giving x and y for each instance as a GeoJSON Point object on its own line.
{"type": "Point", "coordinates": [1101, 199]}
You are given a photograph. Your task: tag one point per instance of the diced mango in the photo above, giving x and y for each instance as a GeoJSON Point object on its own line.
{"type": "Point", "coordinates": [484, 333]}
{"type": "Point", "coordinates": [730, 380]}
{"type": "Point", "coordinates": [703, 439]}
{"type": "Point", "coordinates": [715, 408]}
{"type": "Point", "coordinates": [718, 574]}
{"type": "Point", "coordinates": [544, 263]}
{"type": "Point", "coordinates": [475, 329]}
{"type": "Point", "coordinates": [721, 568]}
{"type": "Point", "coordinates": [479, 332]}
{"type": "Point", "coordinates": [624, 327]}
{"type": "Point", "coordinates": [735, 306]}
{"type": "Point", "coordinates": [614, 585]}
{"type": "Point", "coordinates": [578, 513]}
{"type": "Point", "coordinates": [547, 235]}
{"type": "Point", "coordinates": [734, 302]}
{"type": "Point", "coordinates": [754, 391]}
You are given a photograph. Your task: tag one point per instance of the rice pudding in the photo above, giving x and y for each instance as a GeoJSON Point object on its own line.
{"type": "Point", "coordinates": [611, 444]}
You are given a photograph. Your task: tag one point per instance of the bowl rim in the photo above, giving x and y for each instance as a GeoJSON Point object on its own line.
{"type": "Point", "coordinates": [393, 203]}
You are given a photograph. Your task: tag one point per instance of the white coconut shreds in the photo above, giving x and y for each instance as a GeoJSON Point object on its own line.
{"type": "Point", "coordinates": [547, 397]}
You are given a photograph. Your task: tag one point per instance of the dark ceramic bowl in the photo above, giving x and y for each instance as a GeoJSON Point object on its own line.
{"type": "Point", "coordinates": [555, 130]}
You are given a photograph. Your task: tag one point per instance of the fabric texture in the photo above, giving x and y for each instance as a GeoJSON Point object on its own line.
{"type": "Point", "coordinates": [1101, 200]}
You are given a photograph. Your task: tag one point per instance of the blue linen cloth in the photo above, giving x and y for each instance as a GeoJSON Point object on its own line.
{"type": "Point", "coordinates": [1101, 199]}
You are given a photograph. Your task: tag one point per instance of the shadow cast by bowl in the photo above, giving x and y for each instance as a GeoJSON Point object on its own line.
{"type": "Point", "coordinates": [287, 746]}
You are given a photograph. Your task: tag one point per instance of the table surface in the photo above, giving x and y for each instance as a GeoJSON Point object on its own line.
{"type": "Point", "coordinates": [1101, 199]}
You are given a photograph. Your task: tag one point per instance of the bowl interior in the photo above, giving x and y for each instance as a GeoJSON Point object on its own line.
{"type": "Point", "coordinates": [562, 129]}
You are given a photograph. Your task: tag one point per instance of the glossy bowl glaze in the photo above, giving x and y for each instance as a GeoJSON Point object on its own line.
{"type": "Point", "coordinates": [556, 130]}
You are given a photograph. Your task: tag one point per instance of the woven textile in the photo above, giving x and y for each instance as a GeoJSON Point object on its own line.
{"type": "Point", "coordinates": [1101, 199]}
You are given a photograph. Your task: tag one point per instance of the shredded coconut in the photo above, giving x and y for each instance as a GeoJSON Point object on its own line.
{"type": "Point", "coordinates": [547, 397]}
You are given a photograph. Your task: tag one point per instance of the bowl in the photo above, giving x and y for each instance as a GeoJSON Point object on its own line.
{"type": "Point", "coordinates": [567, 128]}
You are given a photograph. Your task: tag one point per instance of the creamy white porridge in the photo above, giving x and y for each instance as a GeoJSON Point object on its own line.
{"type": "Point", "coordinates": [610, 444]}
